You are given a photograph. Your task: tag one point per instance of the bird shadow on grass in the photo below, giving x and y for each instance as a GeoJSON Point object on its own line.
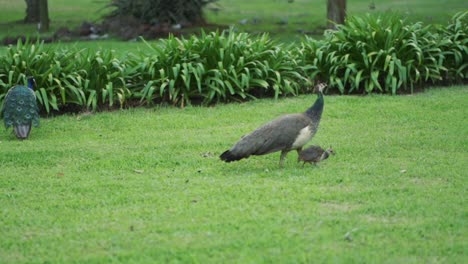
{"type": "Point", "coordinates": [269, 168]}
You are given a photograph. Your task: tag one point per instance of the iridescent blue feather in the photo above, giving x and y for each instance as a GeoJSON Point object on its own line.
{"type": "Point", "coordinates": [20, 110]}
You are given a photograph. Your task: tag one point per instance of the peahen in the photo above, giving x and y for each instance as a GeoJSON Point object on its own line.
{"type": "Point", "coordinates": [314, 154]}
{"type": "Point", "coordinates": [285, 133]}
{"type": "Point", "coordinates": [20, 109]}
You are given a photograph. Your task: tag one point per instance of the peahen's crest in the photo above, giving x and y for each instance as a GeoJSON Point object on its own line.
{"type": "Point", "coordinates": [20, 109]}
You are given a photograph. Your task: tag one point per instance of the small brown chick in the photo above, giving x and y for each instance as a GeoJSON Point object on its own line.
{"type": "Point", "coordinates": [314, 154]}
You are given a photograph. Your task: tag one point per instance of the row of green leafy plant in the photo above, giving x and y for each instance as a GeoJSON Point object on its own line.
{"type": "Point", "coordinates": [368, 54]}
{"type": "Point", "coordinates": [386, 54]}
{"type": "Point", "coordinates": [214, 67]}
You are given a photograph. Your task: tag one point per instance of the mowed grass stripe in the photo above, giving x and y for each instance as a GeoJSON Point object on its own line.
{"type": "Point", "coordinates": [145, 185]}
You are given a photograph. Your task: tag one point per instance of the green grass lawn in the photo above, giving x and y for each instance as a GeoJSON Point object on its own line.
{"type": "Point", "coordinates": [146, 185]}
{"type": "Point", "coordinates": [308, 15]}
{"type": "Point", "coordinates": [61, 12]}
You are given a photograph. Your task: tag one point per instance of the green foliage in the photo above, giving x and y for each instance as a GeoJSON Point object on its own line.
{"type": "Point", "coordinates": [66, 76]}
{"type": "Point", "coordinates": [383, 54]}
{"type": "Point", "coordinates": [29, 60]}
{"type": "Point", "coordinates": [161, 11]}
{"type": "Point", "coordinates": [108, 76]}
{"type": "Point", "coordinates": [454, 47]}
{"type": "Point", "coordinates": [216, 67]}
{"type": "Point", "coordinates": [288, 19]}
{"type": "Point", "coordinates": [209, 68]}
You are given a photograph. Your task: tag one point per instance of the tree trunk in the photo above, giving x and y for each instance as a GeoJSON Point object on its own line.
{"type": "Point", "coordinates": [44, 16]}
{"type": "Point", "coordinates": [32, 11]}
{"type": "Point", "coordinates": [336, 12]}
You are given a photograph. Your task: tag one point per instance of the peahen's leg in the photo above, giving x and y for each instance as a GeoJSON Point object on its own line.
{"type": "Point", "coordinates": [298, 152]}
{"type": "Point", "coordinates": [283, 155]}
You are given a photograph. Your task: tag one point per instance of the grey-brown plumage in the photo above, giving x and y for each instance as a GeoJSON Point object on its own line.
{"type": "Point", "coordinates": [314, 154]}
{"type": "Point", "coordinates": [286, 133]}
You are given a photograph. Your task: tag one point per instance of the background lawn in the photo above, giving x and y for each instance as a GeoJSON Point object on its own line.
{"type": "Point", "coordinates": [282, 19]}
{"type": "Point", "coordinates": [146, 185]}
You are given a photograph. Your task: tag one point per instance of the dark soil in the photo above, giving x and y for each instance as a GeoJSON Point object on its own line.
{"type": "Point", "coordinates": [124, 28]}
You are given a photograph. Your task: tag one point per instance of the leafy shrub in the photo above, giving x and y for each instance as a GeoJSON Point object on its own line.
{"type": "Point", "coordinates": [382, 53]}
{"type": "Point", "coordinates": [216, 67]}
{"type": "Point", "coordinates": [371, 54]}
{"type": "Point", "coordinates": [454, 47]}
{"type": "Point", "coordinates": [29, 60]}
{"type": "Point", "coordinates": [66, 76]}
{"type": "Point", "coordinates": [161, 11]}
{"type": "Point", "coordinates": [208, 68]}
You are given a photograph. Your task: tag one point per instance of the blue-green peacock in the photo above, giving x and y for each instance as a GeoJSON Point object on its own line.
{"type": "Point", "coordinates": [20, 109]}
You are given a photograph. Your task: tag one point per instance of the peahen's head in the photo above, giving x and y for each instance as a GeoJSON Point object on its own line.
{"type": "Point", "coordinates": [320, 87]}
{"type": "Point", "coordinates": [330, 151]}
{"type": "Point", "coordinates": [31, 83]}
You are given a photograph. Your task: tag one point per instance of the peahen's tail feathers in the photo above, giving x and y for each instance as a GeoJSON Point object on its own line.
{"type": "Point", "coordinates": [22, 131]}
